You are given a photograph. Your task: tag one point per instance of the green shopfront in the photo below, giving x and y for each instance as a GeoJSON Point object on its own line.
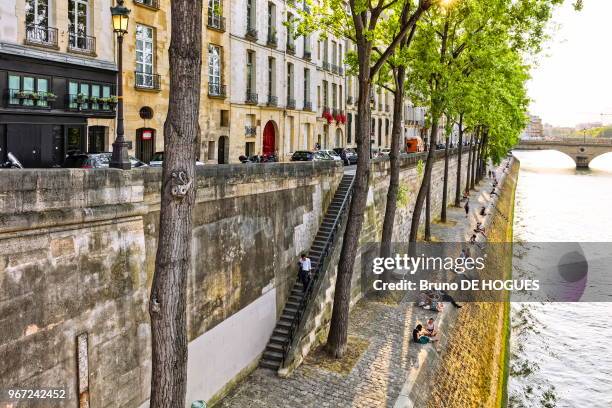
{"type": "Point", "coordinates": [50, 109]}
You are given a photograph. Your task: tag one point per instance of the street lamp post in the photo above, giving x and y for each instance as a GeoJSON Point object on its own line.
{"type": "Point", "coordinates": [120, 15]}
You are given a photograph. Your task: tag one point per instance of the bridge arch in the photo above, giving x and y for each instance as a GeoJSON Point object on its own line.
{"type": "Point", "coordinates": [580, 150]}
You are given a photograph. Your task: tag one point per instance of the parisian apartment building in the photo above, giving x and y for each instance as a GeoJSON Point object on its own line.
{"type": "Point", "coordinates": [265, 90]}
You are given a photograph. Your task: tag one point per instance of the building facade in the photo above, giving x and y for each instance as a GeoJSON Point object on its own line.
{"type": "Point", "coordinates": [57, 79]}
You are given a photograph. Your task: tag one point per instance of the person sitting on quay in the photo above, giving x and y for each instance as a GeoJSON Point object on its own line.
{"type": "Point", "coordinates": [430, 328]}
{"type": "Point", "coordinates": [483, 211]}
{"type": "Point", "coordinates": [473, 239]}
{"type": "Point", "coordinates": [420, 336]}
{"type": "Point", "coordinates": [466, 207]}
{"type": "Point", "coordinates": [480, 229]}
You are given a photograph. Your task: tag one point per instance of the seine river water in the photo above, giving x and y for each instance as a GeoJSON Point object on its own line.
{"type": "Point", "coordinates": [561, 352]}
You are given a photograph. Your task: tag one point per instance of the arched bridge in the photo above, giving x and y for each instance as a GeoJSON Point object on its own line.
{"type": "Point", "coordinates": [582, 150]}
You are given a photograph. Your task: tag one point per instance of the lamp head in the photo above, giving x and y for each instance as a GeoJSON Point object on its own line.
{"type": "Point", "coordinates": [121, 17]}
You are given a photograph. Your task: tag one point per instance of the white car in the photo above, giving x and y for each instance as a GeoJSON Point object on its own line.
{"type": "Point", "coordinates": [333, 154]}
{"type": "Point", "coordinates": [158, 159]}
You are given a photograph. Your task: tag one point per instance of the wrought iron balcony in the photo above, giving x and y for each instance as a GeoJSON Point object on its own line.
{"type": "Point", "coordinates": [41, 35]}
{"type": "Point", "coordinates": [291, 48]}
{"type": "Point", "coordinates": [308, 106]}
{"type": "Point", "coordinates": [82, 102]}
{"type": "Point", "coordinates": [216, 90]}
{"type": "Point", "coordinates": [272, 39]}
{"type": "Point", "coordinates": [326, 66]}
{"type": "Point", "coordinates": [251, 34]}
{"type": "Point", "coordinates": [251, 98]}
{"type": "Point", "coordinates": [334, 68]}
{"type": "Point", "coordinates": [290, 103]}
{"type": "Point", "coordinates": [154, 4]}
{"type": "Point", "coordinates": [250, 131]}
{"type": "Point", "coordinates": [307, 55]}
{"type": "Point", "coordinates": [272, 100]}
{"type": "Point", "coordinates": [145, 80]}
{"type": "Point", "coordinates": [216, 22]}
{"type": "Point", "coordinates": [83, 44]}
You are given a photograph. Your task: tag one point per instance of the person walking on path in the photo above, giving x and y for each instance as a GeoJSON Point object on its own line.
{"type": "Point", "coordinates": [304, 273]}
{"type": "Point", "coordinates": [466, 207]}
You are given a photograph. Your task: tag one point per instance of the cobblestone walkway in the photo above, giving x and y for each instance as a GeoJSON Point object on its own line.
{"type": "Point", "coordinates": [383, 369]}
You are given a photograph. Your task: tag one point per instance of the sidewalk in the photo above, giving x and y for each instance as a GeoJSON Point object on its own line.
{"type": "Point", "coordinates": [386, 371]}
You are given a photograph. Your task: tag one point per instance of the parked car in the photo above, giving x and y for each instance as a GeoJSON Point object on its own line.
{"type": "Point", "coordinates": [258, 159]}
{"type": "Point", "coordinates": [302, 155]}
{"type": "Point", "coordinates": [158, 159]}
{"type": "Point", "coordinates": [348, 156]}
{"type": "Point", "coordinates": [332, 154]}
{"type": "Point", "coordinates": [321, 155]}
{"type": "Point", "coordinates": [95, 161]}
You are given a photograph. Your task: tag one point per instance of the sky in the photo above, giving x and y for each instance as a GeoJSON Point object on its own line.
{"type": "Point", "coordinates": [572, 82]}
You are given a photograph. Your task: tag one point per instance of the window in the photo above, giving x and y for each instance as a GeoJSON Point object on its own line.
{"type": "Point", "coordinates": [290, 30]}
{"type": "Point", "coordinates": [289, 82]}
{"type": "Point", "coordinates": [250, 77]}
{"type": "Point", "coordinates": [306, 85]}
{"type": "Point", "coordinates": [271, 78]}
{"type": "Point", "coordinates": [325, 99]}
{"type": "Point", "coordinates": [144, 57]}
{"type": "Point", "coordinates": [340, 97]}
{"type": "Point", "coordinates": [334, 52]}
{"type": "Point", "coordinates": [211, 150]}
{"type": "Point", "coordinates": [214, 13]}
{"type": "Point", "coordinates": [224, 117]}
{"type": "Point", "coordinates": [214, 70]}
{"type": "Point", "coordinates": [37, 12]}
{"type": "Point", "coordinates": [251, 12]}
{"type": "Point", "coordinates": [271, 22]}
{"type": "Point", "coordinates": [89, 96]}
{"type": "Point", "coordinates": [325, 50]}
{"type": "Point", "coordinates": [78, 16]}
{"type": "Point", "coordinates": [349, 127]}
{"type": "Point", "coordinates": [249, 149]}
{"type": "Point", "coordinates": [334, 96]}
{"type": "Point", "coordinates": [29, 91]}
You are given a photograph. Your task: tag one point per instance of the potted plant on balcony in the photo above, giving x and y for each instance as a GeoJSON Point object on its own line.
{"type": "Point", "coordinates": [113, 100]}
{"type": "Point", "coordinates": [81, 98]}
{"type": "Point", "coordinates": [23, 94]}
{"type": "Point", "coordinates": [328, 116]}
{"type": "Point", "coordinates": [94, 99]}
{"type": "Point", "coordinates": [51, 97]}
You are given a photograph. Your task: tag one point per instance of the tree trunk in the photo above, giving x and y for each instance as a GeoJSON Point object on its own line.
{"type": "Point", "coordinates": [459, 156]}
{"type": "Point", "coordinates": [469, 163]}
{"type": "Point", "coordinates": [474, 161]}
{"type": "Point", "coordinates": [167, 306]}
{"type": "Point", "coordinates": [396, 136]}
{"type": "Point", "coordinates": [420, 199]}
{"type": "Point", "coordinates": [445, 183]}
{"type": "Point", "coordinates": [428, 212]}
{"type": "Point", "coordinates": [338, 331]}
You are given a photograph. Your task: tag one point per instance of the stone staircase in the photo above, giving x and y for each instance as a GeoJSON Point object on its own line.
{"type": "Point", "coordinates": [282, 336]}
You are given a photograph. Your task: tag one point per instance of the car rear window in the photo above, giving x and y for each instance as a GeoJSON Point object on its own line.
{"type": "Point", "coordinates": [301, 155]}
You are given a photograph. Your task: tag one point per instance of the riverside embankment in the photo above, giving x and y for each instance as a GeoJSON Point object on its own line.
{"type": "Point", "coordinates": [384, 367]}
{"type": "Point", "coordinates": [77, 251]}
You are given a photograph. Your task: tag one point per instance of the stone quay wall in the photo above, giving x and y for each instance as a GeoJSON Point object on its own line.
{"type": "Point", "coordinates": [77, 254]}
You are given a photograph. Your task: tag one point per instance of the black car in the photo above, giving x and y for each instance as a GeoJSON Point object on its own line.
{"type": "Point", "coordinates": [348, 156]}
{"type": "Point", "coordinates": [302, 155]}
{"type": "Point", "coordinates": [95, 161]}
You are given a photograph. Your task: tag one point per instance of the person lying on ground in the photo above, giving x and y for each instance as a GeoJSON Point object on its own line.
{"type": "Point", "coordinates": [434, 306]}
{"type": "Point", "coordinates": [483, 210]}
{"type": "Point", "coordinates": [418, 336]}
{"type": "Point", "coordinates": [480, 229]}
{"type": "Point", "coordinates": [473, 239]}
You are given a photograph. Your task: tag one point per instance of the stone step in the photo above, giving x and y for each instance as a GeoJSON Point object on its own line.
{"type": "Point", "coordinates": [280, 331]}
{"type": "Point", "coordinates": [272, 356]}
{"type": "Point", "coordinates": [275, 347]}
{"type": "Point", "coordinates": [279, 339]}
{"type": "Point", "coordinates": [272, 365]}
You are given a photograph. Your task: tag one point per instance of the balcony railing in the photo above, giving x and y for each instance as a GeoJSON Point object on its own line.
{"type": "Point", "coordinates": [216, 90]}
{"type": "Point", "coordinates": [84, 44]}
{"type": "Point", "coordinates": [291, 48]}
{"type": "Point", "coordinates": [216, 22]}
{"type": "Point", "coordinates": [251, 98]}
{"type": "Point", "coordinates": [148, 3]}
{"type": "Point", "coordinates": [326, 65]}
{"type": "Point", "coordinates": [272, 39]}
{"type": "Point", "coordinates": [290, 103]}
{"type": "Point", "coordinates": [349, 100]}
{"type": "Point", "coordinates": [272, 100]}
{"type": "Point", "coordinates": [250, 131]}
{"type": "Point", "coordinates": [147, 81]}
{"type": "Point", "coordinates": [41, 35]}
{"type": "Point", "coordinates": [334, 68]}
{"type": "Point", "coordinates": [308, 106]}
{"type": "Point", "coordinates": [30, 98]}
{"type": "Point", "coordinates": [307, 55]}
{"type": "Point", "coordinates": [251, 34]}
